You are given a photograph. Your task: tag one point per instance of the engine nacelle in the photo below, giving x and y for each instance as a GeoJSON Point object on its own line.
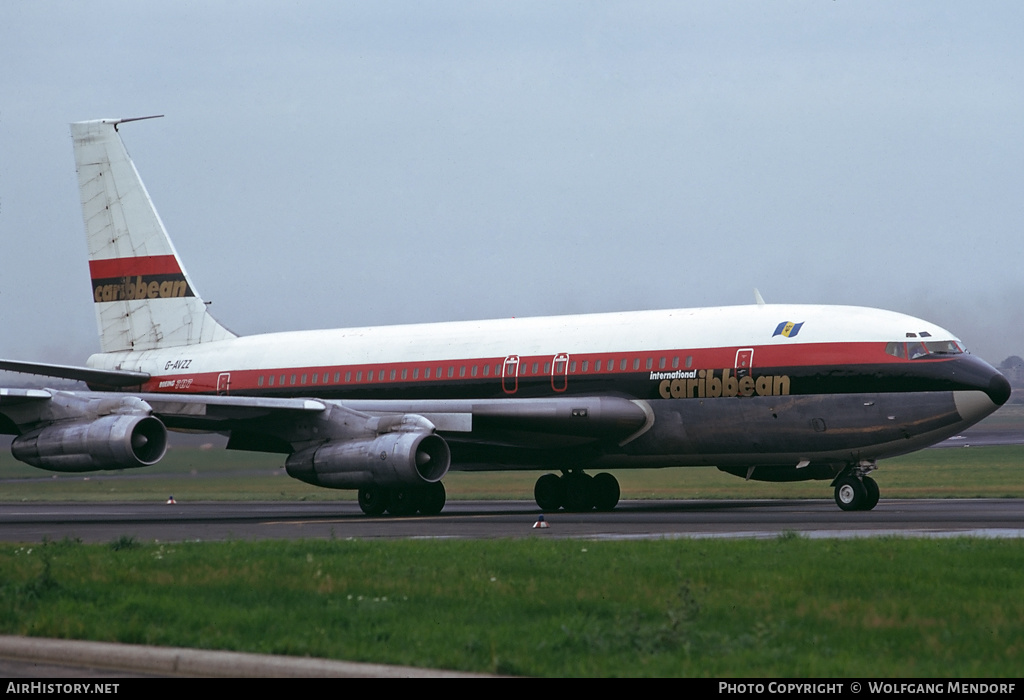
{"type": "Point", "coordinates": [392, 459]}
{"type": "Point", "coordinates": [108, 442]}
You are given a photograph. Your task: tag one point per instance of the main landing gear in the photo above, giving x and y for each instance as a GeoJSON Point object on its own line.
{"type": "Point", "coordinates": [577, 492]}
{"type": "Point", "coordinates": [855, 490]}
{"type": "Point", "coordinates": [406, 500]}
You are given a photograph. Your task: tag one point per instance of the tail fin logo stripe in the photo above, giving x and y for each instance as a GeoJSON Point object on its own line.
{"type": "Point", "coordinates": [127, 267]}
{"type": "Point", "coordinates": [138, 288]}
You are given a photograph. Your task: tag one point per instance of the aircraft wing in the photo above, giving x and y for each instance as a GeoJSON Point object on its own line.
{"type": "Point", "coordinates": [498, 421]}
{"type": "Point", "coordinates": [287, 424]}
{"type": "Point", "coordinates": [23, 410]}
{"type": "Point", "coordinates": [290, 425]}
{"type": "Point", "coordinates": [18, 397]}
{"type": "Point", "coordinates": [87, 430]}
{"type": "Point", "coordinates": [220, 413]}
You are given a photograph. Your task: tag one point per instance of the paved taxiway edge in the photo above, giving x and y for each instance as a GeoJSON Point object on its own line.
{"type": "Point", "coordinates": [174, 661]}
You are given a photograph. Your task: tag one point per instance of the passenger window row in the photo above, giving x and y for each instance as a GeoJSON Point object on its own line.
{"type": "Point", "coordinates": [450, 371]}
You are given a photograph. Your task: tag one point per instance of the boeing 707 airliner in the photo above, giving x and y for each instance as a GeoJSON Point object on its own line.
{"type": "Point", "coordinates": [766, 392]}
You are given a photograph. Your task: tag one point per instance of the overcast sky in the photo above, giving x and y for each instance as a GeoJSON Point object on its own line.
{"type": "Point", "coordinates": [334, 164]}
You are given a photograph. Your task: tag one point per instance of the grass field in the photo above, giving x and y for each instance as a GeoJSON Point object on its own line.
{"type": "Point", "coordinates": [218, 475]}
{"type": "Point", "coordinates": [883, 607]}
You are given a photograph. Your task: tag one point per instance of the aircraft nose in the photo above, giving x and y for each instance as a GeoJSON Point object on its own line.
{"type": "Point", "coordinates": [987, 389]}
{"type": "Point", "coordinates": [980, 375]}
{"type": "Point", "coordinates": [972, 372]}
{"type": "Point", "coordinates": [998, 388]}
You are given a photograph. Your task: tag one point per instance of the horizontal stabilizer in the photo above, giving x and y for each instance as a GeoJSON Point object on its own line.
{"type": "Point", "coordinates": [94, 377]}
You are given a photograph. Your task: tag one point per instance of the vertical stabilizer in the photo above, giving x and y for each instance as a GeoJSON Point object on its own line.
{"type": "Point", "coordinates": [144, 298]}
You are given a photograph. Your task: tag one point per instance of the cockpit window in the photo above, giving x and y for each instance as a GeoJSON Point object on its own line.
{"type": "Point", "coordinates": [943, 347]}
{"type": "Point", "coordinates": [897, 350]}
{"type": "Point", "coordinates": [916, 349]}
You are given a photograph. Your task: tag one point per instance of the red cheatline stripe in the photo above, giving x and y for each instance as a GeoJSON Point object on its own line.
{"type": "Point", "coordinates": [142, 265]}
{"type": "Point", "coordinates": [829, 357]}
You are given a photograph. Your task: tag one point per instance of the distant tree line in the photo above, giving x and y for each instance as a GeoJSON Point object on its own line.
{"type": "Point", "coordinates": [1012, 362]}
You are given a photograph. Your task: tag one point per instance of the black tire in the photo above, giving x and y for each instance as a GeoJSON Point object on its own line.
{"type": "Point", "coordinates": [373, 500]}
{"type": "Point", "coordinates": [579, 492]}
{"type": "Point", "coordinates": [606, 492]}
{"type": "Point", "coordinates": [549, 492]}
{"type": "Point", "coordinates": [871, 489]}
{"type": "Point", "coordinates": [850, 493]}
{"type": "Point", "coordinates": [404, 501]}
{"type": "Point", "coordinates": [432, 499]}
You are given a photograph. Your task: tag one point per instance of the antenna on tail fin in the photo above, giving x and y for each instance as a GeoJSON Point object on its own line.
{"type": "Point", "coordinates": [143, 296]}
{"type": "Point", "coordinates": [136, 119]}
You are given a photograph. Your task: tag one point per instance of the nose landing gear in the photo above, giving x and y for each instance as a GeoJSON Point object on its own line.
{"type": "Point", "coordinates": [855, 490]}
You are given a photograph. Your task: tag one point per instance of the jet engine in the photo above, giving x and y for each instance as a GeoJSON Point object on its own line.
{"type": "Point", "coordinates": [107, 442]}
{"type": "Point", "coordinates": [390, 460]}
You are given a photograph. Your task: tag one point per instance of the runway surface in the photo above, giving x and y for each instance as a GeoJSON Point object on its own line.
{"type": "Point", "coordinates": [104, 522]}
